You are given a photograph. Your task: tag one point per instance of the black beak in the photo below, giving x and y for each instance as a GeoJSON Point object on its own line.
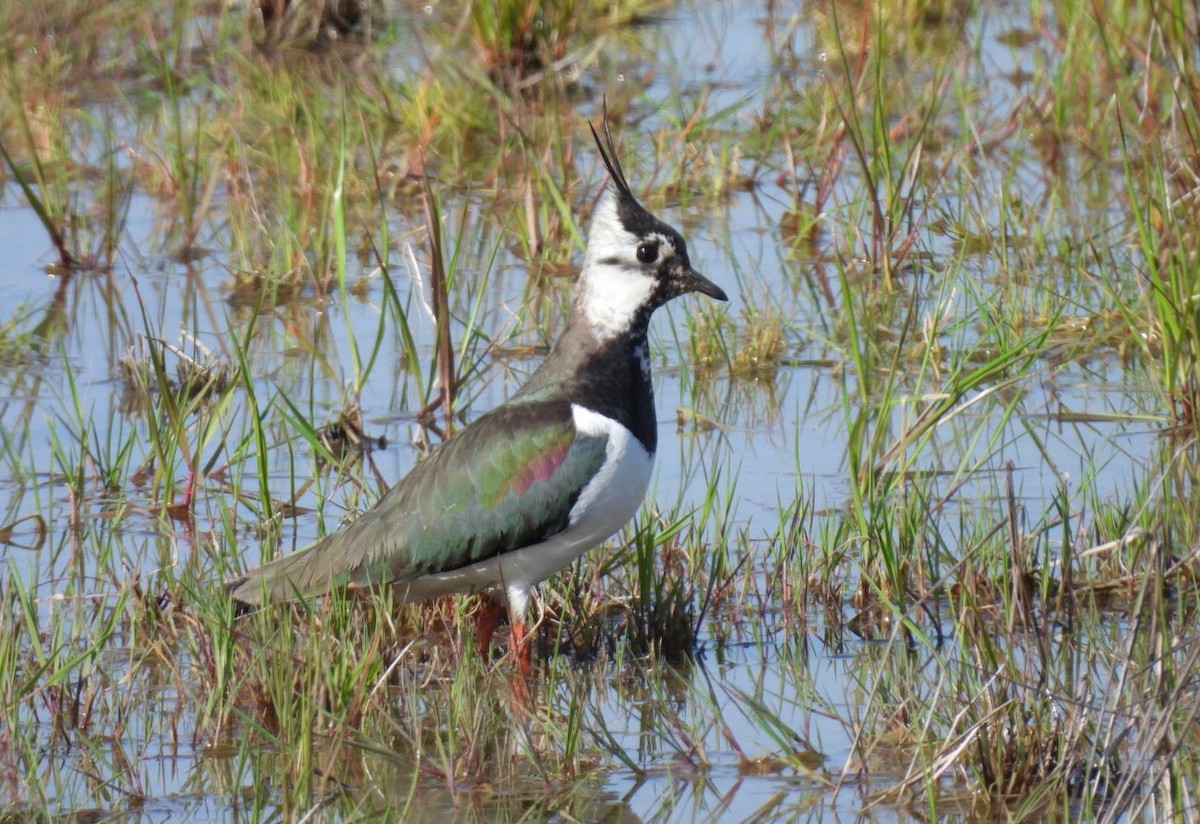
{"type": "Point", "coordinates": [689, 280]}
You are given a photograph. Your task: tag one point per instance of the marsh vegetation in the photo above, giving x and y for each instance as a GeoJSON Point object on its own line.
{"type": "Point", "coordinates": [923, 536]}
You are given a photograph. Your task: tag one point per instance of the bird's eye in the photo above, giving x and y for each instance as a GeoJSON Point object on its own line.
{"type": "Point", "coordinates": [647, 252]}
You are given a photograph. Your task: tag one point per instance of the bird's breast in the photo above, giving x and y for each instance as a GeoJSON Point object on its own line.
{"type": "Point", "coordinates": [611, 498]}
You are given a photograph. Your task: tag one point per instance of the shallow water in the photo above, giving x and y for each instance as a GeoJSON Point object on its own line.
{"type": "Point", "coordinates": [777, 440]}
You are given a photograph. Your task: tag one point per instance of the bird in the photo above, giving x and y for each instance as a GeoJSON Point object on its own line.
{"type": "Point", "coordinates": [530, 486]}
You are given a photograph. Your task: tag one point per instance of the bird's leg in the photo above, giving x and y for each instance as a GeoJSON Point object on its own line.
{"type": "Point", "coordinates": [486, 621]}
{"type": "Point", "coordinates": [522, 700]}
{"type": "Point", "coordinates": [521, 643]}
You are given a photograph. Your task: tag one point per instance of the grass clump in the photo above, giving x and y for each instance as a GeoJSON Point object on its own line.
{"type": "Point", "coordinates": [518, 40]}
{"type": "Point", "coordinates": [757, 347]}
{"type": "Point", "coordinates": [926, 547]}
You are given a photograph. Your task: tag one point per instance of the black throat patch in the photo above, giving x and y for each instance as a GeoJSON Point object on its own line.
{"type": "Point", "coordinates": [615, 381]}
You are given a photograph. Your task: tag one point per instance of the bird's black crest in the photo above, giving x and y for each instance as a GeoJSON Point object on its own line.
{"type": "Point", "coordinates": [608, 153]}
{"type": "Point", "coordinates": [634, 216]}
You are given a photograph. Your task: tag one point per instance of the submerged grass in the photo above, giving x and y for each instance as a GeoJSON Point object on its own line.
{"type": "Point", "coordinates": [358, 224]}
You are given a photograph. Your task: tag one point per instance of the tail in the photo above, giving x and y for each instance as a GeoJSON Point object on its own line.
{"type": "Point", "coordinates": [294, 577]}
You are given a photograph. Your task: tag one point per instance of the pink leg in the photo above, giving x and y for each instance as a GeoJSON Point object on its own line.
{"type": "Point", "coordinates": [522, 646]}
{"type": "Point", "coordinates": [488, 618]}
{"type": "Point", "coordinates": [522, 650]}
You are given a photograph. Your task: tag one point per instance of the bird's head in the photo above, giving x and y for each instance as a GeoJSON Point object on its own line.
{"type": "Point", "coordinates": [634, 262]}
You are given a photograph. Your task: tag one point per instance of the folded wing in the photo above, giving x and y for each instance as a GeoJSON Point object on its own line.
{"type": "Point", "coordinates": [507, 481]}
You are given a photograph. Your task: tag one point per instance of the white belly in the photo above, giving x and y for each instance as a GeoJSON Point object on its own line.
{"type": "Point", "coordinates": [605, 505]}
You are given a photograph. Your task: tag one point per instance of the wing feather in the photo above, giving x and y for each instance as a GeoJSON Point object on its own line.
{"type": "Point", "coordinates": [507, 481]}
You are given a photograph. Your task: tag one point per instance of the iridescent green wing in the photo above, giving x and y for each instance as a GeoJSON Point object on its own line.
{"type": "Point", "coordinates": [507, 481]}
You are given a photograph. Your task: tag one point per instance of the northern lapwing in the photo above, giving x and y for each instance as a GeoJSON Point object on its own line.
{"type": "Point", "coordinates": [533, 484]}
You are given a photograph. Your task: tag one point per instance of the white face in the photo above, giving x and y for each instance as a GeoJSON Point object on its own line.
{"type": "Point", "coordinates": [614, 284]}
